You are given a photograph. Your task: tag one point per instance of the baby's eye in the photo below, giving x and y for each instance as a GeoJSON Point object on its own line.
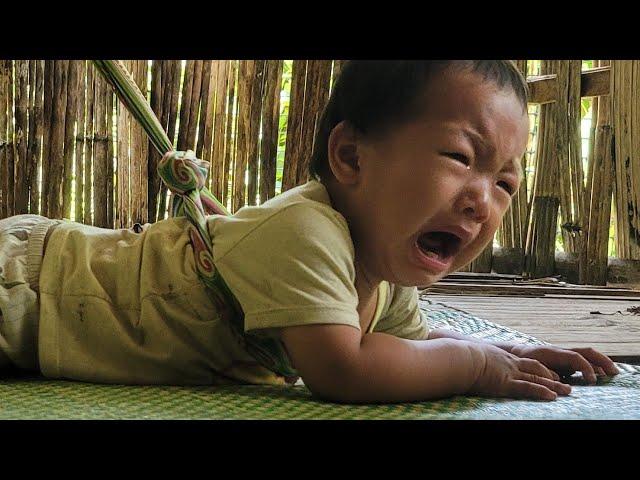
{"type": "Point", "coordinates": [506, 186]}
{"type": "Point", "coordinates": [458, 156]}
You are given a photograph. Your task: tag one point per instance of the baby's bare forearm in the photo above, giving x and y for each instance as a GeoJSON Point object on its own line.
{"type": "Point", "coordinates": [446, 333]}
{"type": "Point", "coordinates": [391, 369]}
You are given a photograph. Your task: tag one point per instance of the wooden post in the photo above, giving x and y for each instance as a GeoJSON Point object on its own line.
{"type": "Point", "coordinates": [5, 185]}
{"type": "Point", "coordinates": [89, 142]}
{"type": "Point", "coordinates": [257, 89]}
{"type": "Point", "coordinates": [219, 139]}
{"type": "Point", "coordinates": [246, 73]}
{"type": "Point", "coordinates": [35, 136]}
{"type": "Point", "coordinates": [158, 88]}
{"type": "Point", "coordinates": [231, 132]}
{"type": "Point", "coordinates": [100, 159]}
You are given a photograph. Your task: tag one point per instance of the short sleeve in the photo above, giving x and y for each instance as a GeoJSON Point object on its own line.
{"type": "Point", "coordinates": [294, 268]}
{"type": "Point", "coordinates": [403, 317]}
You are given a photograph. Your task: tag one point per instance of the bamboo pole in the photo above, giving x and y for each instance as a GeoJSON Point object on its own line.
{"type": "Point", "coordinates": [139, 148]}
{"type": "Point", "coordinates": [35, 135]}
{"type": "Point", "coordinates": [540, 243]}
{"type": "Point", "coordinates": [89, 144]}
{"type": "Point", "coordinates": [231, 131]}
{"type": "Point", "coordinates": [246, 73]}
{"type": "Point", "coordinates": [295, 124]}
{"type": "Point", "coordinates": [56, 153]}
{"type": "Point", "coordinates": [111, 188]}
{"type": "Point", "coordinates": [219, 138]}
{"type": "Point", "coordinates": [157, 105]}
{"type": "Point", "coordinates": [194, 105]}
{"type": "Point", "coordinates": [205, 124]}
{"type": "Point", "coordinates": [81, 116]}
{"type": "Point", "coordinates": [11, 147]}
{"type": "Point", "coordinates": [21, 190]}
{"type": "Point", "coordinates": [100, 154]}
{"type": "Point", "coordinates": [257, 89]}
{"type": "Point", "coordinates": [187, 90]}
{"type": "Point", "coordinates": [5, 185]}
{"type": "Point", "coordinates": [172, 90]}
{"type": "Point", "coordinates": [123, 210]}
{"type": "Point", "coordinates": [316, 95]}
{"type": "Point", "coordinates": [270, 123]}
{"type": "Point", "coordinates": [69, 143]}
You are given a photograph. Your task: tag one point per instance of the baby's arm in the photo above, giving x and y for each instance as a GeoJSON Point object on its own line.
{"type": "Point", "coordinates": [337, 364]}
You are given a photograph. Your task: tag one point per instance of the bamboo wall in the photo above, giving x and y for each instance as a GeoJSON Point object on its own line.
{"type": "Point", "coordinates": [68, 149]}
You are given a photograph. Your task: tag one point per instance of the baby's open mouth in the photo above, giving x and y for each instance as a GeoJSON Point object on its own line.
{"type": "Point", "coordinates": [439, 245]}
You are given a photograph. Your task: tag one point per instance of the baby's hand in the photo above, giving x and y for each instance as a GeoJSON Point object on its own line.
{"type": "Point", "coordinates": [566, 362]}
{"type": "Point", "coordinates": [507, 375]}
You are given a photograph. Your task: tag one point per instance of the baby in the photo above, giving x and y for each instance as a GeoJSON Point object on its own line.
{"type": "Point", "coordinates": [414, 165]}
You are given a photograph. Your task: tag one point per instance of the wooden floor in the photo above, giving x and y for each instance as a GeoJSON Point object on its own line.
{"type": "Point", "coordinates": [563, 320]}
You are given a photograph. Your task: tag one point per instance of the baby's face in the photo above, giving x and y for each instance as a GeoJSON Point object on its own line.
{"type": "Point", "coordinates": [433, 192]}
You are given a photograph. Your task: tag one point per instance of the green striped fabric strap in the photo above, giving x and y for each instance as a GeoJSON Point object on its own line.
{"type": "Point", "coordinates": [185, 176]}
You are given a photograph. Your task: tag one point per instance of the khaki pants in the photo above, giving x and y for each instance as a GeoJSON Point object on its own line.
{"type": "Point", "coordinates": [21, 250]}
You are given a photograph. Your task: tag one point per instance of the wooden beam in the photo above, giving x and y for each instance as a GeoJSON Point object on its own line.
{"type": "Point", "coordinates": [594, 82]}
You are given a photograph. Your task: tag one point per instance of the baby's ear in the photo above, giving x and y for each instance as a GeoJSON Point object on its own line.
{"type": "Point", "coordinates": [342, 153]}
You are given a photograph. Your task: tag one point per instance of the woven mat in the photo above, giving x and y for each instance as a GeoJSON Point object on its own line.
{"type": "Point", "coordinates": [35, 398]}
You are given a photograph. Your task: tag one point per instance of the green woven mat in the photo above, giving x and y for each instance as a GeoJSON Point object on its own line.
{"type": "Point", "coordinates": [35, 398]}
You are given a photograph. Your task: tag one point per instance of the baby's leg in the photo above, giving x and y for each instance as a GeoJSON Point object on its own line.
{"type": "Point", "coordinates": [21, 240]}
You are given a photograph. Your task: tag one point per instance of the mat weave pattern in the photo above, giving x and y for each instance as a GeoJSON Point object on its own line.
{"type": "Point", "coordinates": [35, 398]}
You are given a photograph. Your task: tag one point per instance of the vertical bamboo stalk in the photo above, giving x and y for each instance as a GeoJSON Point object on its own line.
{"type": "Point", "coordinates": [80, 141]}
{"type": "Point", "coordinates": [124, 174]}
{"type": "Point", "coordinates": [174, 70]}
{"type": "Point", "coordinates": [194, 105]}
{"type": "Point", "coordinates": [316, 95]}
{"type": "Point", "coordinates": [100, 154]}
{"type": "Point", "coordinates": [21, 132]}
{"type": "Point", "coordinates": [35, 135]}
{"type": "Point", "coordinates": [69, 143]}
{"type": "Point", "coordinates": [56, 153]}
{"type": "Point", "coordinates": [5, 185]}
{"type": "Point", "coordinates": [47, 112]}
{"type": "Point", "coordinates": [185, 104]}
{"type": "Point", "coordinates": [205, 125]}
{"type": "Point", "coordinates": [257, 87]}
{"type": "Point", "coordinates": [139, 153]}
{"type": "Point", "coordinates": [551, 151]}
{"type": "Point", "coordinates": [219, 139]}
{"type": "Point", "coordinates": [89, 143]}
{"type": "Point", "coordinates": [270, 117]}
{"type": "Point", "coordinates": [11, 147]}
{"type": "Point", "coordinates": [231, 132]}
{"type": "Point", "coordinates": [295, 124]}
{"type": "Point", "coordinates": [245, 76]}
{"type": "Point", "coordinates": [157, 104]}
{"type": "Point", "coordinates": [111, 188]}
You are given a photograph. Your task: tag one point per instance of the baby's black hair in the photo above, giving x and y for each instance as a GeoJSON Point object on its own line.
{"type": "Point", "coordinates": [374, 95]}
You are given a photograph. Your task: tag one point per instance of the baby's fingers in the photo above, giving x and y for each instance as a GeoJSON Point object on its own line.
{"type": "Point", "coordinates": [534, 367]}
{"type": "Point", "coordinates": [533, 391]}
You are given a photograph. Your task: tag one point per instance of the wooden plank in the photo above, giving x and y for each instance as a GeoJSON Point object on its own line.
{"type": "Point", "coordinates": [270, 123]}
{"type": "Point", "coordinates": [185, 104]}
{"type": "Point", "coordinates": [194, 106]}
{"type": "Point", "coordinates": [593, 82]}
{"type": "Point", "coordinates": [138, 160]}
{"type": "Point", "coordinates": [111, 201]}
{"type": "Point", "coordinates": [69, 141]}
{"type": "Point", "coordinates": [257, 87]}
{"type": "Point", "coordinates": [21, 187]}
{"type": "Point", "coordinates": [35, 136]}
{"type": "Point", "coordinates": [564, 322]}
{"type": "Point", "coordinates": [528, 290]}
{"type": "Point", "coordinates": [124, 176]}
{"type": "Point", "coordinates": [596, 82]}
